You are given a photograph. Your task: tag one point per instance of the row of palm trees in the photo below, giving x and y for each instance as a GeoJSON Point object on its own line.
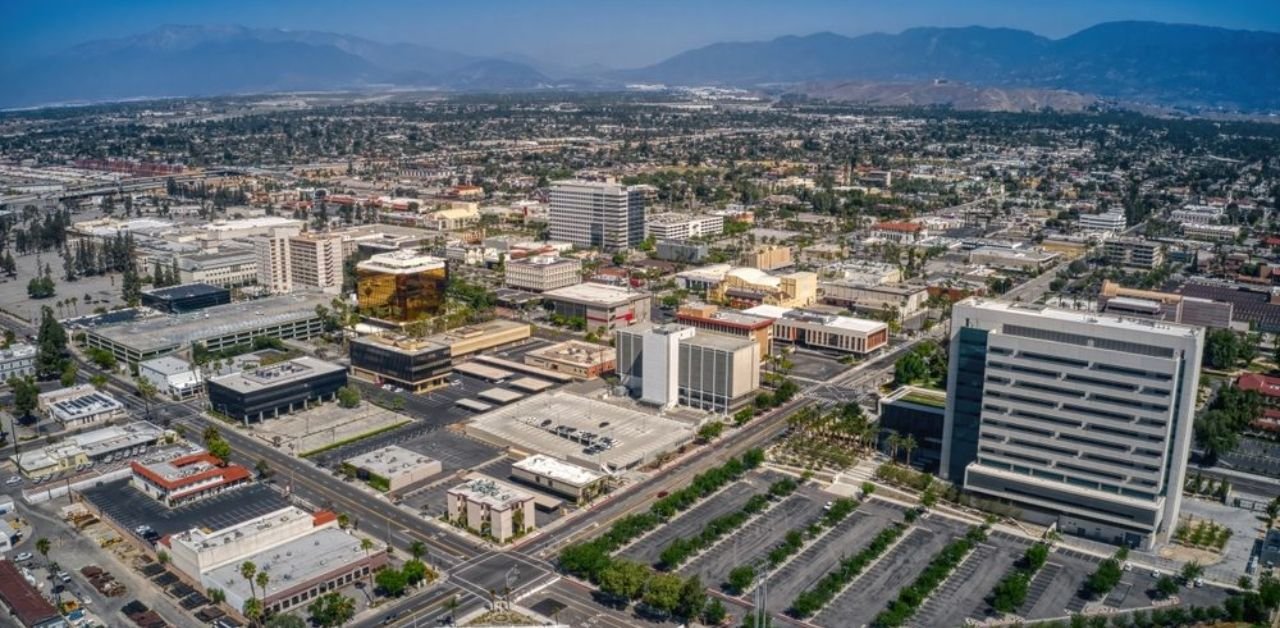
{"type": "Point", "coordinates": [850, 425]}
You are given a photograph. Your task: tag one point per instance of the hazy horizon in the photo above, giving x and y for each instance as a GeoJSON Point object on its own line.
{"type": "Point", "coordinates": [574, 33]}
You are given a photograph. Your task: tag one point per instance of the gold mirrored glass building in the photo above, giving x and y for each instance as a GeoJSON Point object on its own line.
{"type": "Point", "coordinates": [401, 286]}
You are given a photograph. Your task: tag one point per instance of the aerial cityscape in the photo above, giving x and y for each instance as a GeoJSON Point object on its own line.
{"type": "Point", "coordinates": [813, 316]}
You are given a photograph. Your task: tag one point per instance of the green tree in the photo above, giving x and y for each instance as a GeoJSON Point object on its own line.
{"type": "Point", "coordinates": [1166, 586]}
{"type": "Point", "coordinates": [414, 571]}
{"type": "Point", "coordinates": [348, 397]}
{"type": "Point", "coordinates": [252, 609]}
{"type": "Point", "coordinates": [740, 578]}
{"type": "Point", "coordinates": [663, 593]}
{"type": "Point", "coordinates": [131, 286]}
{"type": "Point", "coordinates": [69, 373]}
{"type": "Point", "coordinates": [710, 431]}
{"type": "Point", "coordinates": [624, 579]}
{"type": "Point", "coordinates": [51, 344]}
{"type": "Point", "coordinates": [417, 549]}
{"type": "Point", "coordinates": [217, 596]}
{"type": "Point", "coordinates": [1104, 578]}
{"type": "Point", "coordinates": [43, 546]}
{"type": "Point", "coordinates": [25, 395]}
{"type": "Point", "coordinates": [1191, 571]}
{"type": "Point", "coordinates": [693, 598]}
{"type": "Point", "coordinates": [332, 609]}
{"type": "Point", "coordinates": [714, 613]}
{"type": "Point", "coordinates": [1221, 349]}
{"type": "Point", "coordinates": [391, 581]}
{"type": "Point", "coordinates": [220, 449]}
{"type": "Point", "coordinates": [285, 620]}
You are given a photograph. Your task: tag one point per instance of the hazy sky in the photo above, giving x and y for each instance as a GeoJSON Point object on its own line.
{"type": "Point", "coordinates": [581, 32]}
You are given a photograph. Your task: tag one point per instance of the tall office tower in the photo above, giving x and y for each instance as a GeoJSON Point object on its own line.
{"type": "Point", "coordinates": [1073, 418]}
{"type": "Point", "coordinates": [589, 214]}
{"type": "Point", "coordinates": [316, 261]}
{"type": "Point", "coordinates": [670, 364]}
{"type": "Point", "coordinates": [275, 268]}
{"type": "Point", "coordinates": [402, 286]}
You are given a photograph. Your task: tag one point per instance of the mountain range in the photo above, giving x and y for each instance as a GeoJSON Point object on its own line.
{"type": "Point", "coordinates": [1139, 62]}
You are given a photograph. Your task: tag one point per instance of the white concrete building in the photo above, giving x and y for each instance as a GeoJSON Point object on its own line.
{"type": "Point", "coordinates": [660, 372]}
{"type": "Point", "coordinates": [1074, 418]}
{"type": "Point", "coordinates": [591, 214]}
{"type": "Point", "coordinates": [19, 360]}
{"type": "Point", "coordinates": [560, 477]}
{"type": "Point", "coordinates": [492, 509]}
{"type": "Point", "coordinates": [674, 364]}
{"type": "Point", "coordinates": [1113, 222]}
{"type": "Point", "coordinates": [675, 226]}
{"type": "Point", "coordinates": [80, 406]}
{"type": "Point", "coordinates": [392, 468]}
{"type": "Point", "coordinates": [275, 264]}
{"type": "Point", "coordinates": [172, 376]}
{"type": "Point", "coordinates": [543, 272]}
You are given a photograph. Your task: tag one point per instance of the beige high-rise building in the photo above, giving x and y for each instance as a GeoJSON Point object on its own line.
{"type": "Point", "coordinates": [316, 261]}
{"type": "Point", "coordinates": [275, 272]}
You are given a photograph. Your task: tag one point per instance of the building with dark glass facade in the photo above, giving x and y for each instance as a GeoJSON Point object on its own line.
{"type": "Point", "coordinates": [185, 298]}
{"type": "Point", "coordinates": [402, 286]}
{"type": "Point", "coordinates": [414, 364]}
{"type": "Point", "coordinates": [274, 390]}
{"type": "Point", "coordinates": [918, 413]}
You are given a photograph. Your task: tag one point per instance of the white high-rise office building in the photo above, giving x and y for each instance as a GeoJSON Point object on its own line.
{"type": "Point", "coordinates": [275, 265]}
{"type": "Point", "coordinates": [660, 372]}
{"type": "Point", "coordinates": [315, 261]}
{"type": "Point", "coordinates": [1076, 419]}
{"type": "Point", "coordinates": [588, 214]}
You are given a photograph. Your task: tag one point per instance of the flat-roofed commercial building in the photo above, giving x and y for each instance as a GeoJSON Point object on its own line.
{"type": "Point", "coordinates": [198, 551]}
{"type": "Point", "coordinates": [1165, 306]}
{"type": "Point", "coordinates": [676, 226]}
{"type": "Point", "coordinates": [682, 251]}
{"type": "Point", "coordinates": [1109, 221]}
{"type": "Point", "coordinates": [187, 479]}
{"type": "Point", "coordinates": [583, 360]}
{"type": "Point", "coordinates": [601, 305]}
{"type": "Point", "coordinates": [559, 477]}
{"type": "Point", "coordinates": [186, 297]}
{"type": "Point", "coordinates": [543, 272]}
{"type": "Point", "coordinates": [19, 360]}
{"type": "Point", "coordinates": [173, 377]}
{"type": "Point", "coordinates": [1077, 419]}
{"type": "Point", "coordinates": [729, 322]}
{"type": "Point", "coordinates": [80, 406]}
{"type": "Point", "coordinates": [489, 508]}
{"type": "Point", "coordinates": [1133, 253]}
{"type": "Point", "coordinates": [284, 317]}
{"type": "Point", "coordinates": [819, 330]}
{"type": "Point", "coordinates": [591, 214]}
{"type": "Point", "coordinates": [108, 444]}
{"type": "Point", "coordinates": [301, 570]}
{"type": "Point", "coordinates": [274, 390]}
{"type": "Point", "coordinates": [392, 468]}
{"type": "Point", "coordinates": [1016, 260]}
{"type": "Point", "coordinates": [477, 337]}
{"type": "Point", "coordinates": [768, 257]}
{"type": "Point", "coordinates": [402, 286]}
{"type": "Point", "coordinates": [874, 300]}
{"type": "Point", "coordinates": [666, 365]}
{"type": "Point", "coordinates": [413, 363]}
{"type": "Point", "coordinates": [227, 268]}
{"type": "Point", "coordinates": [744, 286]}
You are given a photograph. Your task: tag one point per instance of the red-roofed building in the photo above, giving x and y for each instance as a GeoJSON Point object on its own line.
{"type": "Point", "coordinates": [1269, 387]}
{"type": "Point", "coordinates": [899, 231]}
{"type": "Point", "coordinates": [187, 479]}
{"type": "Point", "coordinates": [25, 604]}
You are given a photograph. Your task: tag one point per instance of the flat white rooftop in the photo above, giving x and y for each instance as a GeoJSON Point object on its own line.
{"type": "Point", "coordinates": [595, 294]}
{"type": "Point", "coordinates": [1083, 317]}
{"type": "Point", "coordinates": [558, 470]}
{"type": "Point", "coordinates": [389, 461]}
{"type": "Point", "coordinates": [402, 261]}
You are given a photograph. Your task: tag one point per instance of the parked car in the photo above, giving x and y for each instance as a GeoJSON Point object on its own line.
{"type": "Point", "coordinates": [17, 479]}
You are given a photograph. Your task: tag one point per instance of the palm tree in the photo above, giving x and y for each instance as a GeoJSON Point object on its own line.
{"type": "Point", "coordinates": [263, 579]}
{"type": "Point", "coordinates": [247, 571]}
{"type": "Point", "coordinates": [210, 433]}
{"type": "Point", "coordinates": [366, 544]}
{"type": "Point", "coordinates": [908, 444]}
{"type": "Point", "coordinates": [217, 596]}
{"type": "Point", "coordinates": [418, 549]}
{"type": "Point", "coordinates": [42, 546]}
{"type": "Point", "coordinates": [894, 442]}
{"type": "Point", "coordinates": [252, 610]}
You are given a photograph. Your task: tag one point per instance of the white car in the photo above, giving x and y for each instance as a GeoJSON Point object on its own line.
{"type": "Point", "coordinates": [23, 557]}
{"type": "Point", "coordinates": [17, 479]}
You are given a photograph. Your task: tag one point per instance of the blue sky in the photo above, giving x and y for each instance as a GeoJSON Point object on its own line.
{"type": "Point", "coordinates": [581, 32]}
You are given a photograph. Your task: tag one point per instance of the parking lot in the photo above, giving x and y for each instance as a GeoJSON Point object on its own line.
{"type": "Point", "coordinates": [878, 586]}
{"type": "Point", "coordinates": [964, 592]}
{"type": "Point", "coordinates": [129, 508]}
{"type": "Point", "coordinates": [814, 561]}
{"type": "Point", "coordinates": [752, 542]}
{"type": "Point", "coordinates": [814, 365]}
{"type": "Point", "coordinates": [688, 524]}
